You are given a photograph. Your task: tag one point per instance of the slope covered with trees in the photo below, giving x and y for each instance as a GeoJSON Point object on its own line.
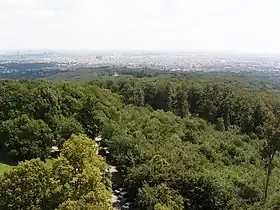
{"type": "Point", "coordinates": [37, 115]}
{"type": "Point", "coordinates": [221, 104]}
{"type": "Point", "coordinates": [179, 144]}
{"type": "Point", "coordinates": [184, 163]}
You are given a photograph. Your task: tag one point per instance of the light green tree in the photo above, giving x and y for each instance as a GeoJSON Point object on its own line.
{"type": "Point", "coordinates": [27, 186]}
{"type": "Point", "coordinates": [78, 179]}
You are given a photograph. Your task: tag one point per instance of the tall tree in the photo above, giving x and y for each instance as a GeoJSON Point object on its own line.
{"type": "Point", "coordinates": [269, 151]}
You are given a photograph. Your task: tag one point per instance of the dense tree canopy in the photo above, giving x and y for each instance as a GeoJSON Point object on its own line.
{"type": "Point", "coordinates": [180, 144]}
{"type": "Point", "coordinates": [37, 115]}
{"type": "Point", "coordinates": [246, 108]}
{"type": "Point", "coordinates": [207, 168]}
{"type": "Point", "coordinates": [26, 138]}
{"type": "Point", "coordinates": [76, 180]}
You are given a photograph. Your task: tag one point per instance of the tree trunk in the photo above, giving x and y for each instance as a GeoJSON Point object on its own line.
{"type": "Point", "coordinates": [268, 175]}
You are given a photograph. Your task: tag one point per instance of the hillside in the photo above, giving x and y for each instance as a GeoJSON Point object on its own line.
{"type": "Point", "coordinates": [179, 144]}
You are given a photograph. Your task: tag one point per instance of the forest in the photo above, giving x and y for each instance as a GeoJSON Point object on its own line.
{"type": "Point", "coordinates": [180, 142]}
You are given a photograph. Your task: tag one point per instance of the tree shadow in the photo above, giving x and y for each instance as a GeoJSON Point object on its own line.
{"type": "Point", "coordinates": [4, 156]}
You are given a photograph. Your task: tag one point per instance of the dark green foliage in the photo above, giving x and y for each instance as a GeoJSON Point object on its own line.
{"type": "Point", "coordinates": [196, 145]}
{"type": "Point", "coordinates": [37, 115]}
{"type": "Point", "coordinates": [86, 116]}
{"type": "Point", "coordinates": [221, 104]}
{"type": "Point", "coordinates": [201, 165]}
{"type": "Point", "coordinates": [64, 127]}
{"type": "Point", "coordinates": [220, 124]}
{"type": "Point", "coordinates": [149, 197]}
{"type": "Point", "coordinates": [26, 138]}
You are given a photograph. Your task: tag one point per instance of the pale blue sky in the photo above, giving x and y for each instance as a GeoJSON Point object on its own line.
{"type": "Point", "coordinates": [201, 25]}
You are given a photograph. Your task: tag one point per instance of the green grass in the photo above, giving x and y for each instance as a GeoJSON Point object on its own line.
{"type": "Point", "coordinates": [4, 168]}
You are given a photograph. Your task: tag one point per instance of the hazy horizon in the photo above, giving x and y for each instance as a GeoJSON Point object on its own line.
{"type": "Point", "coordinates": [144, 51]}
{"type": "Point", "coordinates": [231, 26]}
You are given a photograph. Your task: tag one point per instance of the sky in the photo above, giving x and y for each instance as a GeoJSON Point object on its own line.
{"type": "Point", "coordinates": [185, 25]}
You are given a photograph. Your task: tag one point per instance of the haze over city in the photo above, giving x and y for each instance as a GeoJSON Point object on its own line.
{"type": "Point", "coordinates": [185, 25]}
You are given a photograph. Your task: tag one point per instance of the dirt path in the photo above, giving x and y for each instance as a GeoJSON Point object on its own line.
{"type": "Point", "coordinates": [118, 191]}
{"type": "Point", "coordinates": [117, 182]}
{"type": "Point", "coordinates": [115, 199]}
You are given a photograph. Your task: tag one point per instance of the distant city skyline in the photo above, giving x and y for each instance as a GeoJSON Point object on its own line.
{"type": "Point", "coordinates": [231, 26]}
{"type": "Point", "coordinates": [134, 51]}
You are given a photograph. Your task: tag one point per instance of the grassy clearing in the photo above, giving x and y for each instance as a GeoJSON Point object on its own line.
{"type": "Point", "coordinates": [4, 168]}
